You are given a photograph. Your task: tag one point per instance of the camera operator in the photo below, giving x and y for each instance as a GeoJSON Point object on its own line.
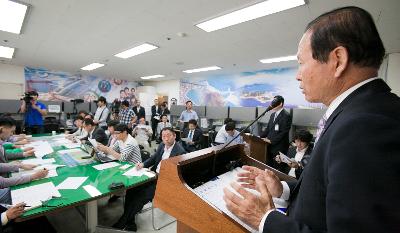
{"type": "Point", "coordinates": [34, 110]}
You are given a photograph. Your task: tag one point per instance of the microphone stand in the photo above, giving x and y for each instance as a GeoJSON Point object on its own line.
{"type": "Point", "coordinates": [273, 105]}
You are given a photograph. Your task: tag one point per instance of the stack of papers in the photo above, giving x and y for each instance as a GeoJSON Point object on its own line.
{"type": "Point", "coordinates": [135, 172]}
{"type": "Point", "coordinates": [33, 196]}
{"type": "Point", "coordinates": [51, 167]}
{"type": "Point", "coordinates": [285, 159]}
{"type": "Point", "coordinates": [67, 143]}
{"type": "Point", "coordinates": [38, 161]}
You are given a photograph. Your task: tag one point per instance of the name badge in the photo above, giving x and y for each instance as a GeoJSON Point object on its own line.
{"type": "Point", "coordinates": [276, 127]}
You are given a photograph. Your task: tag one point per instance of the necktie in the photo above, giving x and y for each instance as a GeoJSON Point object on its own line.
{"type": "Point", "coordinates": [190, 135]}
{"type": "Point", "coordinates": [321, 126]}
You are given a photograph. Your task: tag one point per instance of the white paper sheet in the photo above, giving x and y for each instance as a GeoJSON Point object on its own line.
{"type": "Point", "coordinates": [69, 151]}
{"type": "Point", "coordinates": [34, 195]}
{"type": "Point", "coordinates": [67, 143]}
{"type": "Point", "coordinates": [93, 191]}
{"type": "Point", "coordinates": [106, 166]}
{"type": "Point", "coordinates": [72, 183]}
{"type": "Point", "coordinates": [41, 148]}
{"type": "Point", "coordinates": [38, 161]}
{"type": "Point", "coordinates": [285, 159]}
{"type": "Point", "coordinates": [186, 139]}
{"type": "Point", "coordinates": [124, 167]}
{"type": "Point", "coordinates": [141, 172]}
{"type": "Point", "coordinates": [93, 142]}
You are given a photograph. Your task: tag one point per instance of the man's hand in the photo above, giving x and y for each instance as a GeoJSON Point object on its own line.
{"type": "Point", "coordinates": [139, 166]}
{"type": "Point", "coordinates": [103, 148]}
{"type": "Point", "coordinates": [250, 208]}
{"type": "Point", "coordinates": [294, 165]}
{"type": "Point", "coordinates": [15, 211]}
{"type": "Point", "coordinates": [40, 174]}
{"type": "Point", "coordinates": [25, 149]}
{"type": "Point", "coordinates": [278, 159]}
{"type": "Point", "coordinates": [248, 180]}
{"type": "Point", "coordinates": [26, 166]}
{"type": "Point", "coordinates": [267, 140]}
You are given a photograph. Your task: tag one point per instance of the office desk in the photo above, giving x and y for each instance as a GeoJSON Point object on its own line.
{"type": "Point", "coordinates": [70, 197]}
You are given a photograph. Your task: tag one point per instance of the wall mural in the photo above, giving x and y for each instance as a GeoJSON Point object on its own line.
{"type": "Point", "coordinates": [248, 89]}
{"type": "Point", "coordinates": [57, 85]}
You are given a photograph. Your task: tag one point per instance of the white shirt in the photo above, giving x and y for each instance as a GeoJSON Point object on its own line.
{"type": "Point", "coordinates": [299, 155]}
{"type": "Point", "coordinates": [101, 115]}
{"type": "Point", "coordinates": [165, 155]}
{"type": "Point", "coordinates": [277, 113]}
{"type": "Point", "coordinates": [222, 135]}
{"type": "Point", "coordinates": [332, 107]}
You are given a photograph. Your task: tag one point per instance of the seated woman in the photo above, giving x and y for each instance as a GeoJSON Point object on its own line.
{"type": "Point", "coordinates": [300, 153]}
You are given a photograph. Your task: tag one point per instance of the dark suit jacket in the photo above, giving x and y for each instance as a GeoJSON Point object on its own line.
{"type": "Point", "coordinates": [351, 183]}
{"type": "Point", "coordinates": [197, 138]}
{"type": "Point", "coordinates": [154, 112]}
{"type": "Point", "coordinates": [279, 138]}
{"type": "Point", "coordinates": [155, 159]}
{"type": "Point", "coordinates": [140, 113]}
{"type": "Point", "coordinates": [304, 161]}
{"type": "Point", "coordinates": [99, 135]}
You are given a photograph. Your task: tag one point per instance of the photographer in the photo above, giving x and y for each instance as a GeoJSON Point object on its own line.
{"type": "Point", "coordinates": [34, 110]}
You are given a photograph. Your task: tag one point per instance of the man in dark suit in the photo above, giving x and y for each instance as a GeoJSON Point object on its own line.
{"type": "Point", "coordinates": [277, 133]}
{"type": "Point", "coordinates": [139, 110]}
{"type": "Point", "coordinates": [194, 134]}
{"type": "Point", "coordinates": [137, 197]}
{"type": "Point", "coordinates": [155, 117]}
{"type": "Point", "coordinates": [94, 132]}
{"type": "Point", "coordinates": [351, 183]}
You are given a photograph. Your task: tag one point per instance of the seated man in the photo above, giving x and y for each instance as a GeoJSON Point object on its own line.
{"type": "Point", "coordinates": [222, 135]}
{"type": "Point", "coordinates": [80, 132]}
{"type": "Point", "coordinates": [94, 132]}
{"type": "Point", "coordinates": [142, 133]}
{"type": "Point", "coordinates": [194, 135]}
{"type": "Point", "coordinates": [125, 148]}
{"type": "Point", "coordinates": [162, 124]}
{"type": "Point", "coordinates": [231, 133]}
{"type": "Point", "coordinates": [112, 139]}
{"type": "Point", "coordinates": [300, 153]}
{"type": "Point", "coordinates": [137, 197]}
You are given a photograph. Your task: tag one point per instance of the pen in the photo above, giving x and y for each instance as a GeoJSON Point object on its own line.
{"type": "Point", "coordinates": [10, 206]}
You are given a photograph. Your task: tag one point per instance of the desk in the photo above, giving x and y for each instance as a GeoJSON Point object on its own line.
{"type": "Point", "coordinates": [71, 198]}
{"type": "Point", "coordinates": [258, 147]}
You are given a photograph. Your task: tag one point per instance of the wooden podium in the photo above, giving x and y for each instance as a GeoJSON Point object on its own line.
{"type": "Point", "coordinates": [180, 174]}
{"type": "Point", "coordinates": [258, 147]}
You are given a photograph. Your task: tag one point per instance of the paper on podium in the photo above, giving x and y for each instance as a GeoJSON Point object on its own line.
{"type": "Point", "coordinates": [212, 192]}
{"type": "Point", "coordinates": [33, 196]}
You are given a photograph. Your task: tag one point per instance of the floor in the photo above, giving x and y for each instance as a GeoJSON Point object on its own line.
{"type": "Point", "coordinates": [108, 214]}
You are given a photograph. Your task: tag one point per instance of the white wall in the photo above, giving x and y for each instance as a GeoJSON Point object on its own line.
{"type": "Point", "coordinates": [12, 81]}
{"type": "Point", "coordinates": [393, 73]}
{"type": "Point", "coordinates": [168, 88]}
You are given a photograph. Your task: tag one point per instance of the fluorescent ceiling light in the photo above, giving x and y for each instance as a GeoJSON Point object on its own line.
{"type": "Point", "coordinates": [92, 66]}
{"type": "Point", "coordinates": [202, 69]}
{"type": "Point", "coordinates": [6, 52]}
{"type": "Point", "coordinates": [153, 76]}
{"type": "Point", "coordinates": [136, 50]}
{"type": "Point", "coordinates": [279, 59]}
{"type": "Point", "coordinates": [249, 13]}
{"type": "Point", "coordinates": [12, 16]}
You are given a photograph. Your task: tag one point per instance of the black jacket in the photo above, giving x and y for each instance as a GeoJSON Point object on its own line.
{"type": "Point", "coordinates": [99, 135]}
{"type": "Point", "coordinates": [197, 139]}
{"type": "Point", "coordinates": [351, 183]}
{"type": "Point", "coordinates": [155, 159]}
{"type": "Point", "coordinates": [304, 161]}
{"type": "Point", "coordinates": [141, 113]}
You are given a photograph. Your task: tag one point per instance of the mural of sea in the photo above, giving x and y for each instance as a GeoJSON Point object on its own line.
{"type": "Point", "coordinates": [247, 89]}
{"type": "Point", "coordinates": [63, 86]}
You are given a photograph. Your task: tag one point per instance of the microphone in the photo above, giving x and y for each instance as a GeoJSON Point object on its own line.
{"type": "Point", "coordinates": [275, 103]}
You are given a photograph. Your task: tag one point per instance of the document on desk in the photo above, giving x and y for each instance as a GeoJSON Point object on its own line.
{"type": "Point", "coordinates": [135, 172]}
{"type": "Point", "coordinates": [72, 183]}
{"type": "Point", "coordinates": [67, 143]}
{"type": "Point", "coordinates": [38, 161]}
{"type": "Point", "coordinates": [104, 166]}
{"type": "Point", "coordinates": [93, 191]}
{"type": "Point", "coordinates": [52, 168]}
{"type": "Point", "coordinates": [33, 196]}
{"type": "Point", "coordinates": [41, 148]}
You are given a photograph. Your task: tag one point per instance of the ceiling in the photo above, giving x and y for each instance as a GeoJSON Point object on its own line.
{"type": "Point", "coordinates": [66, 35]}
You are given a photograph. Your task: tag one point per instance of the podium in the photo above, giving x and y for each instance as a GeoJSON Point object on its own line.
{"type": "Point", "coordinates": [258, 147]}
{"type": "Point", "coordinates": [181, 174]}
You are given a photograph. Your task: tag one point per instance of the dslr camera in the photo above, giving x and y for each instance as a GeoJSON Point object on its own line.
{"type": "Point", "coordinates": [28, 97]}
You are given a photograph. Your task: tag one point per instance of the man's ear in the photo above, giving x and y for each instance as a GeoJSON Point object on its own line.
{"type": "Point", "coordinates": [340, 56]}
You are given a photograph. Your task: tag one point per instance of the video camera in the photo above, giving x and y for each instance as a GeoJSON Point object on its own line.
{"type": "Point", "coordinates": [28, 97]}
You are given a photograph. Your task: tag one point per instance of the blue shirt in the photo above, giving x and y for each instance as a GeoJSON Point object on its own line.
{"type": "Point", "coordinates": [33, 116]}
{"type": "Point", "coordinates": [186, 116]}
{"type": "Point", "coordinates": [238, 140]}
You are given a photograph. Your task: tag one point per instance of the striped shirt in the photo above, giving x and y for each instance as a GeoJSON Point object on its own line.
{"type": "Point", "coordinates": [129, 150]}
